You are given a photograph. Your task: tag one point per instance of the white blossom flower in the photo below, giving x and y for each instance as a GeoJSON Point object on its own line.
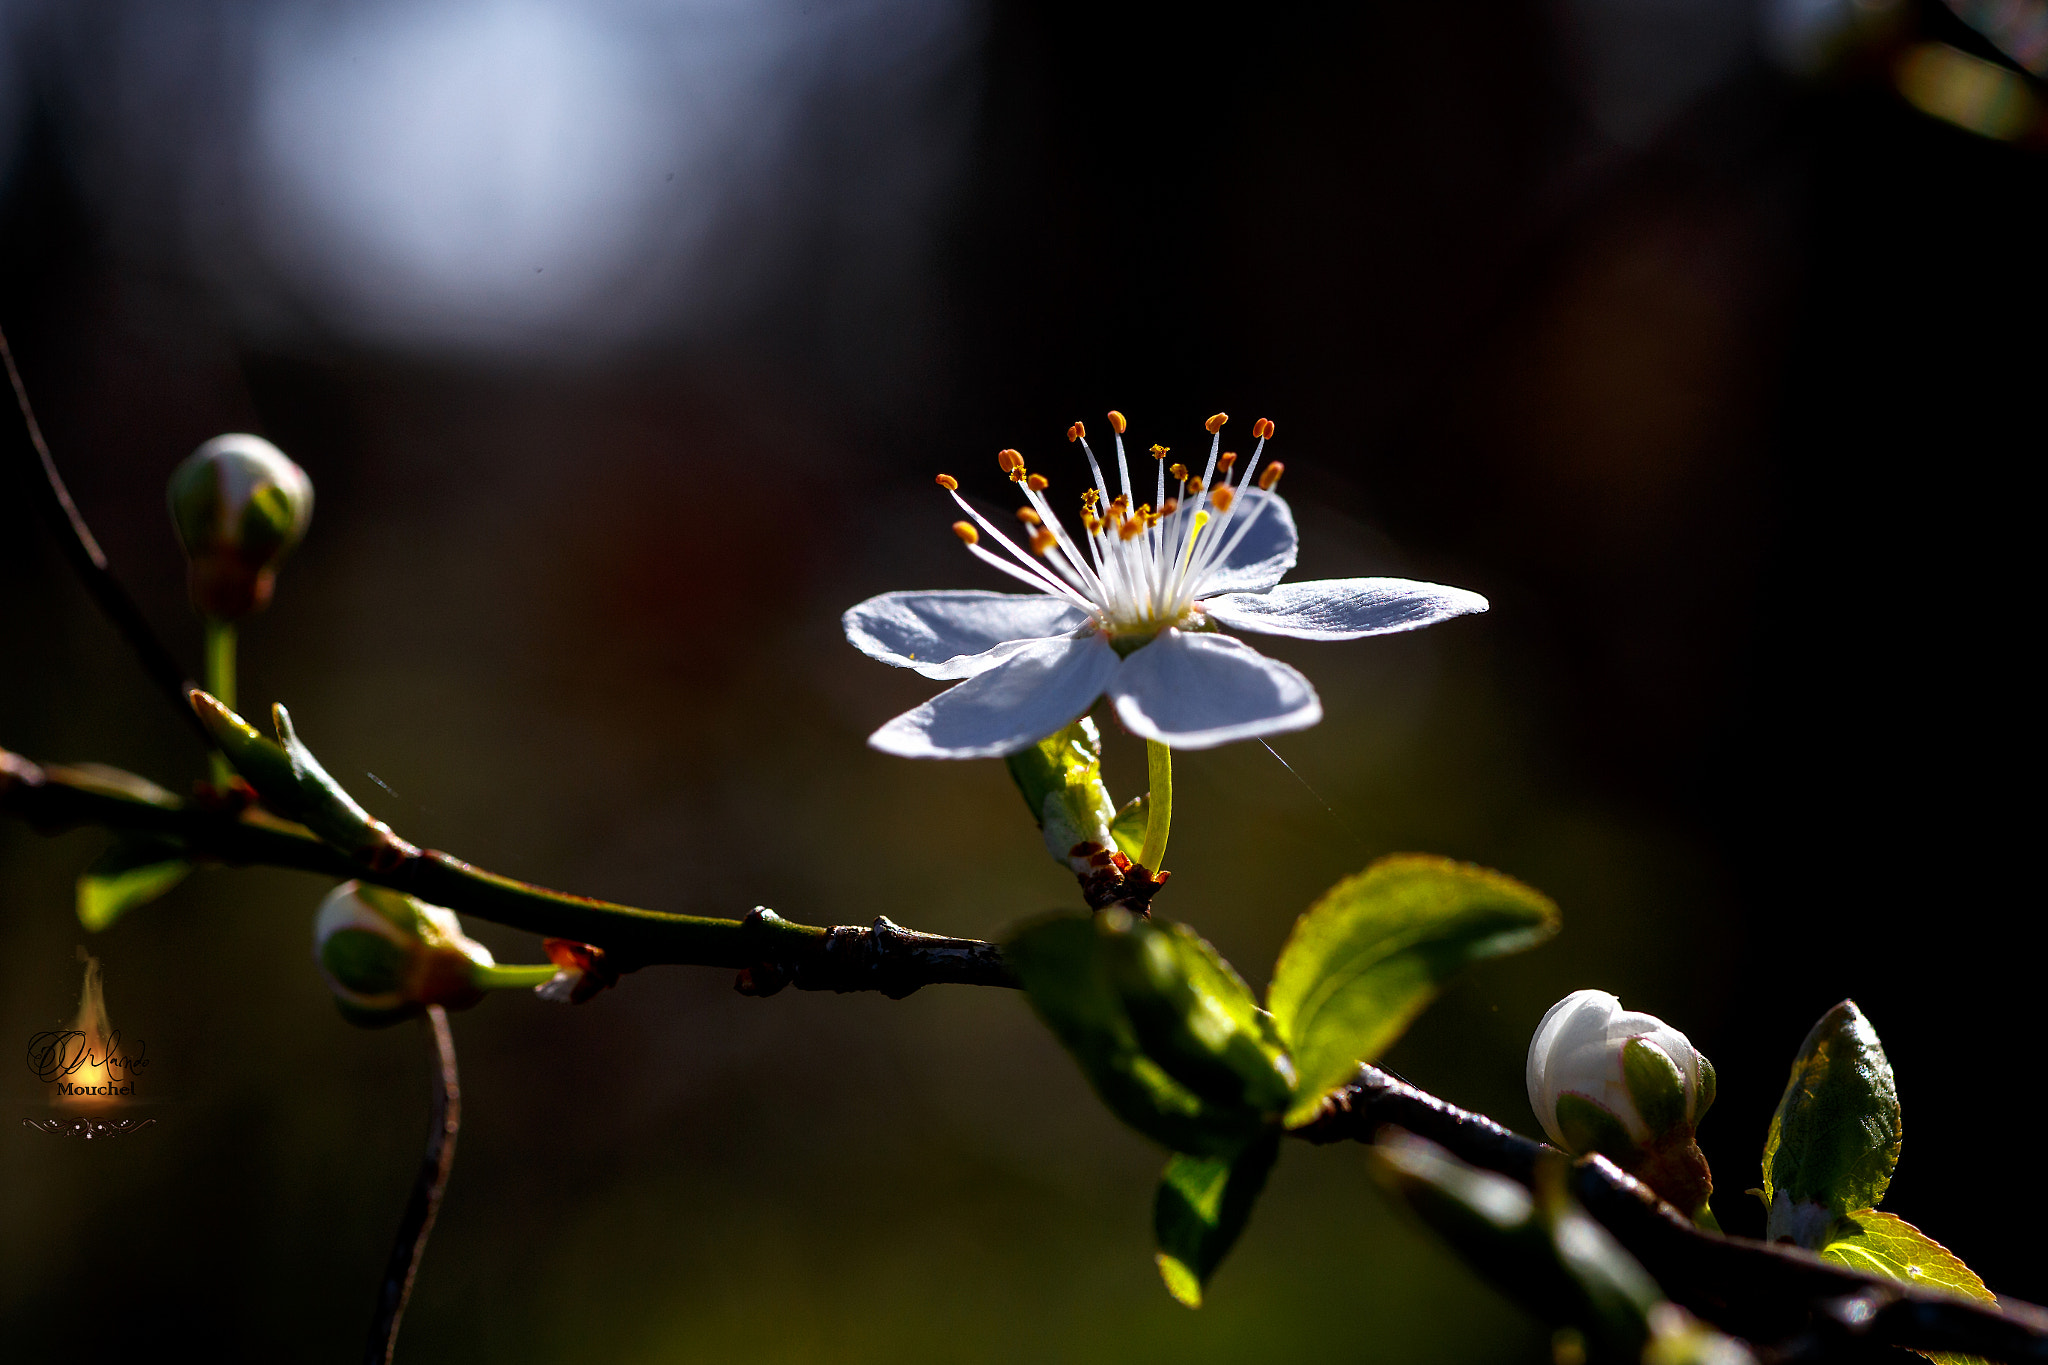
{"type": "Point", "coordinates": [1129, 608]}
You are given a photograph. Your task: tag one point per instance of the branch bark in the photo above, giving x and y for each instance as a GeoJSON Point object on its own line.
{"type": "Point", "coordinates": [1763, 1293]}
{"type": "Point", "coordinates": [769, 951]}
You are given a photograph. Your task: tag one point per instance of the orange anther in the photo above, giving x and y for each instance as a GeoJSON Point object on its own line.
{"type": "Point", "coordinates": [1010, 461]}
{"type": "Point", "coordinates": [1263, 429]}
{"type": "Point", "coordinates": [1037, 483]}
{"type": "Point", "coordinates": [1169, 507]}
{"type": "Point", "coordinates": [1194, 487]}
{"type": "Point", "coordinates": [948, 482]}
{"type": "Point", "coordinates": [1228, 459]}
{"type": "Point", "coordinates": [965, 530]}
{"type": "Point", "coordinates": [1018, 475]}
{"type": "Point", "coordinates": [1134, 527]}
{"type": "Point", "coordinates": [1089, 496]}
{"type": "Point", "coordinates": [1159, 452]}
{"type": "Point", "coordinates": [1028, 517]}
{"type": "Point", "coordinates": [1077, 432]}
{"type": "Point", "coordinates": [1091, 522]}
{"type": "Point", "coordinates": [1220, 497]}
{"type": "Point", "coordinates": [1043, 540]}
{"type": "Point", "coordinates": [1272, 475]}
{"type": "Point", "coordinates": [1116, 422]}
{"type": "Point", "coordinates": [1179, 471]}
{"type": "Point", "coordinates": [1215, 424]}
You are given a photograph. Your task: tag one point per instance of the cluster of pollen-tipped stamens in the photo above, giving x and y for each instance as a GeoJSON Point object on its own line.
{"type": "Point", "coordinates": [1138, 567]}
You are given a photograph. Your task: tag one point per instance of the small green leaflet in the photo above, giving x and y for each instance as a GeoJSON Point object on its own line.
{"type": "Point", "coordinates": [1368, 956]}
{"type": "Point", "coordinates": [1202, 1206]}
{"type": "Point", "coordinates": [1881, 1244]}
{"type": "Point", "coordinates": [1834, 1140]}
{"type": "Point", "coordinates": [135, 871]}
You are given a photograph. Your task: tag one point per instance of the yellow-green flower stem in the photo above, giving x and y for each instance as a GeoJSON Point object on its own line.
{"type": "Point", "coordinates": [220, 680]}
{"type": "Point", "coordinates": [1159, 765]}
{"type": "Point", "coordinates": [511, 977]}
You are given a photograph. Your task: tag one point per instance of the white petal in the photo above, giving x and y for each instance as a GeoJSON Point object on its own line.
{"type": "Point", "coordinates": [1036, 690]}
{"type": "Point", "coordinates": [1266, 553]}
{"type": "Point", "coordinates": [1343, 608]}
{"type": "Point", "coordinates": [1198, 690]}
{"type": "Point", "coordinates": [950, 634]}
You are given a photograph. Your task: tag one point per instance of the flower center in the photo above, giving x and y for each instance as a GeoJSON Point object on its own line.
{"type": "Point", "coordinates": [1137, 567]}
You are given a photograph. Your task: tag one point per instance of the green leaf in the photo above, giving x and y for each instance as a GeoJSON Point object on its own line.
{"type": "Point", "coordinates": [1202, 1207]}
{"type": "Point", "coordinates": [1535, 1244]}
{"type": "Point", "coordinates": [1130, 825]}
{"type": "Point", "coordinates": [288, 778]}
{"type": "Point", "coordinates": [1060, 779]}
{"type": "Point", "coordinates": [1885, 1244]}
{"type": "Point", "coordinates": [1063, 967]}
{"type": "Point", "coordinates": [1194, 1015]}
{"type": "Point", "coordinates": [1881, 1244]}
{"type": "Point", "coordinates": [1368, 956]}
{"type": "Point", "coordinates": [329, 810]}
{"type": "Point", "coordinates": [135, 871]}
{"type": "Point", "coordinates": [262, 763]}
{"type": "Point", "coordinates": [1834, 1140]}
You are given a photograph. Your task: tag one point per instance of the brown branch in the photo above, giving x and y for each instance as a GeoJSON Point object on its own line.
{"type": "Point", "coordinates": [769, 952]}
{"type": "Point", "coordinates": [82, 550]}
{"type": "Point", "coordinates": [1764, 1293]}
{"type": "Point", "coordinates": [1771, 1294]}
{"type": "Point", "coordinates": [427, 1188]}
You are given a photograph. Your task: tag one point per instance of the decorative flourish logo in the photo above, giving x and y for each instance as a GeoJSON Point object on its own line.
{"type": "Point", "coordinates": [87, 1066]}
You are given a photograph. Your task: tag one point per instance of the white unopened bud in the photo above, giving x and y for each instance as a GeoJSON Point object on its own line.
{"type": "Point", "coordinates": [1626, 1085]}
{"type": "Point", "coordinates": [385, 955]}
{"type": "Point", "coordinates": [240, 506]}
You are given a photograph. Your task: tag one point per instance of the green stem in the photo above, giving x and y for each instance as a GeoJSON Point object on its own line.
{"type": "Point", "coordinates": [1159, 763]}
{"type": "Point", "coordinates": [220, 680]}
{"type": "Point", "coordinates": [511, 977]}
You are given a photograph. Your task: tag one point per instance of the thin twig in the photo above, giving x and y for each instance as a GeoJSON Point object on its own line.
{"type": "Point", "coordinates": [427, 1188]}
{"type": "Point", "coordinates": [89, 561]}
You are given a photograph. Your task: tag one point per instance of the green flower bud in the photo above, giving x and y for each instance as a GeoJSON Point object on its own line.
{"type": "Point", "coordinates": [1626, 1085]}
{"type": "Point", "coordinates": [386, 955]}
{"type": "Point", "coordinates": [239, 507]}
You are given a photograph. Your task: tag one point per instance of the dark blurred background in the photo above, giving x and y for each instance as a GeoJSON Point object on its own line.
{"type": "Point", "coordinates": [622, 340]}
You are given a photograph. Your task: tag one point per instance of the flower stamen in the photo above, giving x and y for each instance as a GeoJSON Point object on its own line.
{"type": "Point", "coordinates": [1146, 563]}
